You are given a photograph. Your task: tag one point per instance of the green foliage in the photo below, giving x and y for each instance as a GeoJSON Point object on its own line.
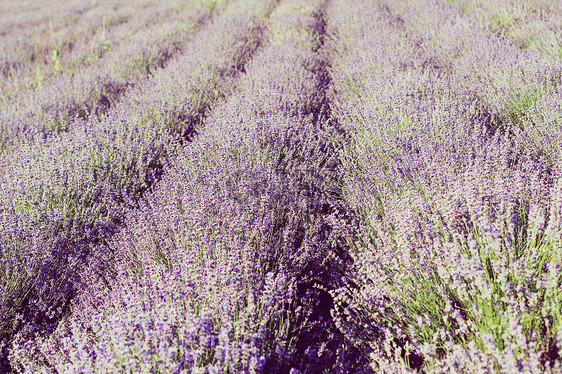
{"type": "Point", "coordinates": [99, 47]}
{"type": "Point", "coordinates": [55, 60]}
{"type": "Point", "coordinates": [501, 22]}
{"type": "Point", "coordinates": [355, 85]}
{"type": "Point", "coordinates": [552, 47]}
{"type": "Point", "coordinates": [519, 106]}
{"type": "Point", "coordinates": [39, 78]}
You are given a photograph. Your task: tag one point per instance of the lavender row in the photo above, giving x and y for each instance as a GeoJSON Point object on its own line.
{"type": "Point", "coordinates": [34, 58]}
{"type": "Point", "coordinates": [529, 25]}
{"type": "Point", "coordinates": [224, 268]}
{"type": "Point", "coordinates": [63, 199]}
{"type": "Point", "coordinates": [518, 88]}
{"type": "Point", "coordinates": [535, 29]}
{"type": "Point", "coordinates": [95, 88]}
{"type": "Point", "coordinates": [510, 85]}
{"type": "Point", "coordinates": [458, 267]}
{"type": "Point", "coordinates": [33, 43]}
{"type": "Point", "coordinates": [24, 15]}
{"type": "Point", "coordinates": [69, 94]}
{"type": "Point", "coordinates": [510, 90]}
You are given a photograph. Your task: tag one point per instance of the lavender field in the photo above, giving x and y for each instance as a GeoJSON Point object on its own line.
{"type": "Point", "coordinates": [281, 186]}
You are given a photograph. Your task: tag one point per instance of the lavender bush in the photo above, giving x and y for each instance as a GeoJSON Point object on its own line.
{"type": "Point", "coordinates": [530, 25]}
{"type": "Point", "coordinates": [223, 234]}
{"type": "Point", "coordinates": [283, 187]}
{"type": "Point", "coordinates": [98, 85]}
{"type": "Point", "coordinates": [36, 48]}
{"type": "Point", "coordinates": [79, 184]}
{"type": "Point", "coordinates": [456, 269]}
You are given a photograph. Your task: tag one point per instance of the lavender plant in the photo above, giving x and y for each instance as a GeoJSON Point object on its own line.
{"type": "Point", "coordinates": [293, 186]}
{"type": "Point", "coordinates": [454, 253]}
{"type": "Point", "coordinates": [42, 46]}
{"type": "Point", "coordinates": [78, 185]}
{"type": "Point", "coordinates": [243, 230]}
{"type": "Point", "coordinates": [528, 24]}
{"type": "Point", "coordinates": [95, 88]}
